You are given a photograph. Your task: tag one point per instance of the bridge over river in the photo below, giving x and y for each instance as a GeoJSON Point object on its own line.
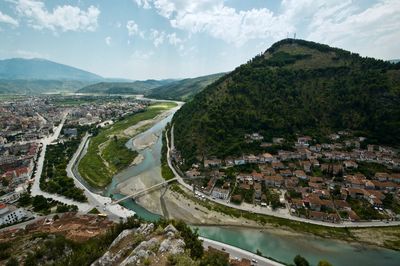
{"type": "Point", "coordinates": [144, 191]}
{"type": "Point", "coordinates": [149, 189]}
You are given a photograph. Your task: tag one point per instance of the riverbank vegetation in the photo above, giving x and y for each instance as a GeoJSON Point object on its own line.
{"type": "Point", "coordinates": [166, 172]}
{"type": "Point", "coordinates": [107, 153]}
{"type": "Point", "coordinates": [117, 153]}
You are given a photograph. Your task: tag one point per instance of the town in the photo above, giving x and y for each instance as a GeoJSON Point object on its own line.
{"type": "Point", "coordinates": [26, 123]}
{"type": "Point", "coordinates": [342, 179]}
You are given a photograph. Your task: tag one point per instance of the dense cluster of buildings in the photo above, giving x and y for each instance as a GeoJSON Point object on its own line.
{"type": "Point", "coordinates": [320, 181]}
{"type": "Point", "coordinates": [25, 121]}
{"type": "Point", "coordinates": [105, 109]}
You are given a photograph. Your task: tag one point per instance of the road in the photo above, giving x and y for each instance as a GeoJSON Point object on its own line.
{"type": "Point", "coordinates": [281, 213]}
{"type": "Point", "coordinates": [95, 200]}
{"type": "Point", "coordinates": [35, 189]}
{"type": "Point", "coordinates": [238, 253]}
{"type": "Point", "coordinates": [177, 175]}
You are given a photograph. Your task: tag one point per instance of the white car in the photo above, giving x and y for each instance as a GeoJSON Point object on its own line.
{"type": "Point", "coordinates": [254, 260]}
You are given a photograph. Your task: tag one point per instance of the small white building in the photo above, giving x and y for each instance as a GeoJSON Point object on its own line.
{"type": "Point", "coordinates": [9, 215]}
{"type": "Point", "coordinates": [10, 197]}
{"type": "Point", "coordinates": [239, 161]}
{"type": "Point", "coordinates": [220, 193]}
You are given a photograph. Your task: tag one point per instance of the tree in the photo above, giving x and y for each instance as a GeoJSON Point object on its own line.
{"type": "Point", "coordinates": [12, 262]}
{"type": "Point", "coordinates": [214, 258]}
{"type": "Point", "coordinates": [30, 260]}
{"type": "Point", "coordinates": [40, 203]}
{"type": "Point", "coordinates": [5, 182]}
{"type": "Point", "coordinates": [24, 199]}
{"type": "Point", "coordinates": [191, 239]}
{"type": "Point", "coordinates": [324, 263]}
{"type": "Point", "coordinates": [300, 261]}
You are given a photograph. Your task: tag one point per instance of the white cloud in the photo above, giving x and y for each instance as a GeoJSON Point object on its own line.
{"type": "Point", "coordinates": [64, 18]}
{"type": "Point", "coordinates": [335, 22]}
{"type": "Point", "coordinates": [8, 20]}
{"type": "Point", "coordinates": [142, 55]}
{"type": "Point", "coordinates": [173, 39]}
{"type": "Point", "coordinates": [376, 21]}
{"type": "Point", "coordinates": [29, 54]}
{"type": "Point", "coordinates": [143, 3]}
{"type": "Point", "coordinates": [157, 37]}
{"type": "Point", "coordinates": [220, 21]}
{"type": "Point", "coordinates": [108, 40]}
{"type": "Point", "coordinates": [132, 27]}
{"type": "Point", "coordinates": [185, 52]}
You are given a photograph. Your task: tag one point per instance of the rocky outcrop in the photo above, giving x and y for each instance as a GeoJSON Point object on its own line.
{"type": "Point", "coordinates": [173, 246]}
{"type": "Point", "coordinates": [122, 235]}
{"type": "Point", "coordinates": [170, 228]}
{"type": "Point", "coordinates": [141, 252]}
{"type": "Point", "coordinates": [143, 243]}
{"type": "Point", "coordinates": [145, 229]}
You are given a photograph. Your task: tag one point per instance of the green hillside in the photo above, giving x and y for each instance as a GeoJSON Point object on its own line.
{"type": "Point", "coordinates": [40, 86]}
{"type": "Point", "coordinates": [295, 87]}
{"type": "Point", "coordinates": [183, 90]}
{"type": "Point", "coordinates": [135, 87]}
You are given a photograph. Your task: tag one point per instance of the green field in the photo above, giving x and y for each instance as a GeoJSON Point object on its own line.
{"type": "Point", "coordinates": [107, 154]}
{"type": "Point", "coordinates": [7, 97]}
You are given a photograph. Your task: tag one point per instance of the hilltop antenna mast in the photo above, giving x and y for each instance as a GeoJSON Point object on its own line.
{"type": "Point", "coordinates": [294, 36]}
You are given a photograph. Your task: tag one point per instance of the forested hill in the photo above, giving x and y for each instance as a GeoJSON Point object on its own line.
{"type": "Point", "coordinates": [135, 87]}
{"type": "Point", "coordinates": [184, 89]}
{"type": "Point", "coordinates": [295, 87]}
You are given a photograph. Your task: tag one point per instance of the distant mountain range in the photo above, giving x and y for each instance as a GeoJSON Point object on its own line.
{"type": "Point", "coordinates": [295, 88]}
{"type": "Point", "coordinates": [395, 61]}
{"type": "Point", "coordinates": [31, 76]}
{"type": "Point", "coordinates": [169, 89]}
{"type": "Point", "coordinates": [23, 86]}
{"type": "Point", "coordinates": [41, 69]}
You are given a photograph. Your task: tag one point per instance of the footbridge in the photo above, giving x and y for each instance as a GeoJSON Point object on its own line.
{"type": "Point", "coordinates": [149, 189]}
{"type": "Point", "coordinates": [144, 191]}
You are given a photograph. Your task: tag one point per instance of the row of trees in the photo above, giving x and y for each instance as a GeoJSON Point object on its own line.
{"type": "Point", "coordinates": [44, 205]}
{"type": "Point", "coordinates": [54, 177]}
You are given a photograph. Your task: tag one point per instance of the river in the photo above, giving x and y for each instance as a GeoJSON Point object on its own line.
{"type": "Point", "coordinates": [281, 247]}
{"type": "Point", "coordinates": [284, 247]}
{"type": "Point", "coordinates": [151, 164]}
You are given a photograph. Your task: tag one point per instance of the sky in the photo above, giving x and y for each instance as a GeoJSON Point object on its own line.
{"type": "Point", "coordinates": [158, 39]}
